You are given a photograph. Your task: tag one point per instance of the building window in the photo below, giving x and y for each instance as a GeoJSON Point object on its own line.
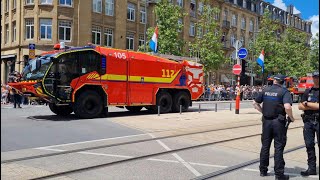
{"type": "Point", "coordinates": [234, 20]}
{"type": "Point", "coordinates": [14, 32]}
{"type": "Point", "coordinates": [141, 39]}
{"type": "Point", "coordinates": [28, 2]}
{"type": "Point", "coordinates": [225, 15]}
{"type": "Point", "coordinates": [45, 28]}
{"type": "Point", "coordinates": [192, 29]}
{"type": "Point", "coordinates": [65, 2]}
{"type": "Point", "coordinates": [216, 16]}
{"type": "Point", "coordinates": [193, 8]}
{"type": "Point", "coordinates": [242, 41]}
{"type": "Point", "coordinates": [232, 39]}
{"type": "Point", "coordinates": [97, 6]}
{"type": "Point", "coordinates": [46, 1]}
{"type": "Point", "coordinates": [130, 41]}
{"type": "Point", "coordinates": [14, 4]}
{"type": "Point", "coordinates": [108, 37]}
{"type": "Point", "coordinates": [243, 23]}
{"type": "Point", "coordinates": [65, 30]}
{"type": "Point", "coordinates": [142, 15]}
{"type": "Point", "coordinates": [199, 32]}
{"type": "Point", "coordinates": [200, 8]}
{"type": "Point", "coordinates": [244, 4]}
{"type": "Point", "coordinates": [251, 26]}
{"type": "Point", "coordinates": [180, 3]}
{"type": "Point", "coordinates": [7, 5]}
{"type": "Point", "coordinates": [131, 12]}
{"type": "Point", "coordinates": [96, 35]}
{"type": "Point", "coordinates": [7, 33]}
{"type": "Point", "coordinates": [29, 28]}
{"type": "Point", "coordinates": [109, 7]}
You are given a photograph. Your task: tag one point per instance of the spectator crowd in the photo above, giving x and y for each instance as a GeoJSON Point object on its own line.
{"type": "Point", "coordinates": [227, 92]}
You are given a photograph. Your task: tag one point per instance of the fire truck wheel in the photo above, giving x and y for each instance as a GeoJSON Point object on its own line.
{"type": "Point", "coordinates": [134, 108]}
{"type": "Point", "coordinates": [181, 98]}
{"type": "Point", "coordinates": [60, 110]}
{"type": "Point", "coordinates": [164, 100]}
{"type": "Point", "coordinates": [88, 105]}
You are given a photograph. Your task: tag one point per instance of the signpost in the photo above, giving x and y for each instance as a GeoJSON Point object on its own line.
{"type": "Point", "coordinates": [32, 49]}
{"type": "Point", "coordinates": [242, 53]}
{"type": "Point", "coordinates": [237, 69]}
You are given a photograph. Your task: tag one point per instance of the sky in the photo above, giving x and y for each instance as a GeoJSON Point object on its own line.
{"type": "Point", "coordinates": [309, 10]}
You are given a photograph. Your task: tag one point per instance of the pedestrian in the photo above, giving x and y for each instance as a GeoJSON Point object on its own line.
{"type": "Point", "coordinates": [310, 105]}
{"type": "Point", "coordinates": [276, 104]}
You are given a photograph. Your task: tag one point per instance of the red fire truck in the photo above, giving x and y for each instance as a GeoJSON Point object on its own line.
{"type": "Point", "coordinates": [86, 80]}
{"type": "Point", "coordinates": [304, 83]}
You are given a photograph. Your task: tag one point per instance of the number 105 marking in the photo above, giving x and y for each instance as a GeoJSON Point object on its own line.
{"type": "Point", "coordinates": [167, 73]}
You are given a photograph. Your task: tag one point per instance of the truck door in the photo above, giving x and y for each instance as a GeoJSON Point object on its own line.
{"type": "Point", "coordinates": [58, 79]}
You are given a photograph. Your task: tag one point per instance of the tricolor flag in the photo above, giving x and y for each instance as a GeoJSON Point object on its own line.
{"type": "Point", "coordinates": [154, 41]}
{"type": "Point", "coordinates": [260, 60]}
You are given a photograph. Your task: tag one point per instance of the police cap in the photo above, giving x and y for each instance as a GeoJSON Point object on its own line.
{"type": "Point", "coordinates": [279, 77]}
{"type": "Point", "coordinates": [315, 74]}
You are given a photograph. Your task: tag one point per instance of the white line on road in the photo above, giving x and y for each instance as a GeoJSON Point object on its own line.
{"type": "Point", "coordinates": [97, 140]}
{"type": "Point", "coordinates": [186, 164]}
{"type": "Point", "coordinates": [180, 160]}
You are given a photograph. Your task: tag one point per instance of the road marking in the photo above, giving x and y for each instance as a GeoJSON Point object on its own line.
{"type": "Point", "coordinates": [97, 140]}
{"type": "Point", "coordinates": [110, 155]}
{"type": "Point", "coordinates": [290, 174]}
{"type": "Point", "coordinates": [163, 160]}
{"type": "Point", "coordinates": [208, 165]}
{"type": "Point", "coordinates": [186, 164]}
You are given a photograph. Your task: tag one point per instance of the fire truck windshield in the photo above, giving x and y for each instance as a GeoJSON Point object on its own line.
{"type": "Point", "coordinates": [34, 72]}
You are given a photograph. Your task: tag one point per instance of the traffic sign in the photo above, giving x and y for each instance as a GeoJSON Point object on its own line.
{"type": "Point", "coordinates": [242, 53]}
{"type": "Point", "coordinates": [32, 46]}
{"type": "Point", "coordinates": [237, 69]}
{"type": "Point", "coordinates": [32, 54]}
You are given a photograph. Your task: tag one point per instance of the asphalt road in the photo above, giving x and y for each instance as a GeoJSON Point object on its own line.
{"type": "Point", "coordinates": [36, 126]}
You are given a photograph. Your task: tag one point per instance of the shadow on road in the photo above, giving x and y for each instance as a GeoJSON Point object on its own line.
{"type": "Point", "coordinates": [72, 117]}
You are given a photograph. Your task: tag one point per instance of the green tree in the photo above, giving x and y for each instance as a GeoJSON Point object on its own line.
{"type": "Point", "coordinates": [294, 53]}
{"type": "Point", "coordinates": [266, 39]}
{"type": "Point", "coordinates": [208, 44]}
{"type": "Point", "coordinates": [167, 18]}
{"type": "Point", "coordinates": [314, 53]}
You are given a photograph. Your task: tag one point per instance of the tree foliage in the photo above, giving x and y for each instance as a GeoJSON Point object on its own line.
{"type": "Point", "coordinates": [208, 44]}
{"type": "Point", "coordinates": [285, 53]}
{"type": "Point", "coordinates": [314, 53]}
{"type": "Point", "coordinates": [167, 17]}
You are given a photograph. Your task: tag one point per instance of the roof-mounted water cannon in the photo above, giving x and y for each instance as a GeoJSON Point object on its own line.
{"type": "Point", "coordinates": [62, 46]}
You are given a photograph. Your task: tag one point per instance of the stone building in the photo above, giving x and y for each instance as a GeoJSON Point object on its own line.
{"type": "Point", "coordinates": [121, 24]}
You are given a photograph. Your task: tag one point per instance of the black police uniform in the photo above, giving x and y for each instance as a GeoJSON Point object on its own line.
{"type": "Point", "coordinates": [274, 126]}
{"type": "Point", "coordinates": [311, 127]}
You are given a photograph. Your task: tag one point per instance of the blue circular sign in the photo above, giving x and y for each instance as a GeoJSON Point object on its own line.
{"type": "Point", "coordinates": [242, 53]}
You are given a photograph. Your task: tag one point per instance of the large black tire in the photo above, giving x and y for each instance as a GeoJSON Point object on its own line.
{"type": "Point", "coordinates": [60, 110]}
{"type": "Point", "coordinates": [164, 100]}
{"type": "Point", "coordinates": [134, 108]}
{"type": "Point", "coordinates": [181, 98]}
{"type": "Point", "coordinates": [88, 105]}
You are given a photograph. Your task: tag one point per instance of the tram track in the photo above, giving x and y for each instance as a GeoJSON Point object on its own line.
{"type": "Point", "coordinates": [79, 170]}
{"type": "Point", "coordinates": [123, 143]}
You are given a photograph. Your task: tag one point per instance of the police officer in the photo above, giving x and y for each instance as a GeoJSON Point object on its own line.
{"type": "Point", "coordinates": [276, 104]}
{"type": "Point", "coordinates": [310, 105]}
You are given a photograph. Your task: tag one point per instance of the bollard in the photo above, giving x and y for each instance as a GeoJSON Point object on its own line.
{"type": "Point", "coordinates": [180, 108]}
{"type": "Point", "coordinates": [199, 107]}
{"type": "Point", "coordinates": [216, 107]}
{"type": "Point", "coordinates": [158, 110]}
{"type": "Point", "coordinates": [230, 106]}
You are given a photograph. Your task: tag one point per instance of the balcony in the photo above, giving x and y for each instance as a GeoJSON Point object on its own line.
{"type": "Point", "coordinates": [226, 24]}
